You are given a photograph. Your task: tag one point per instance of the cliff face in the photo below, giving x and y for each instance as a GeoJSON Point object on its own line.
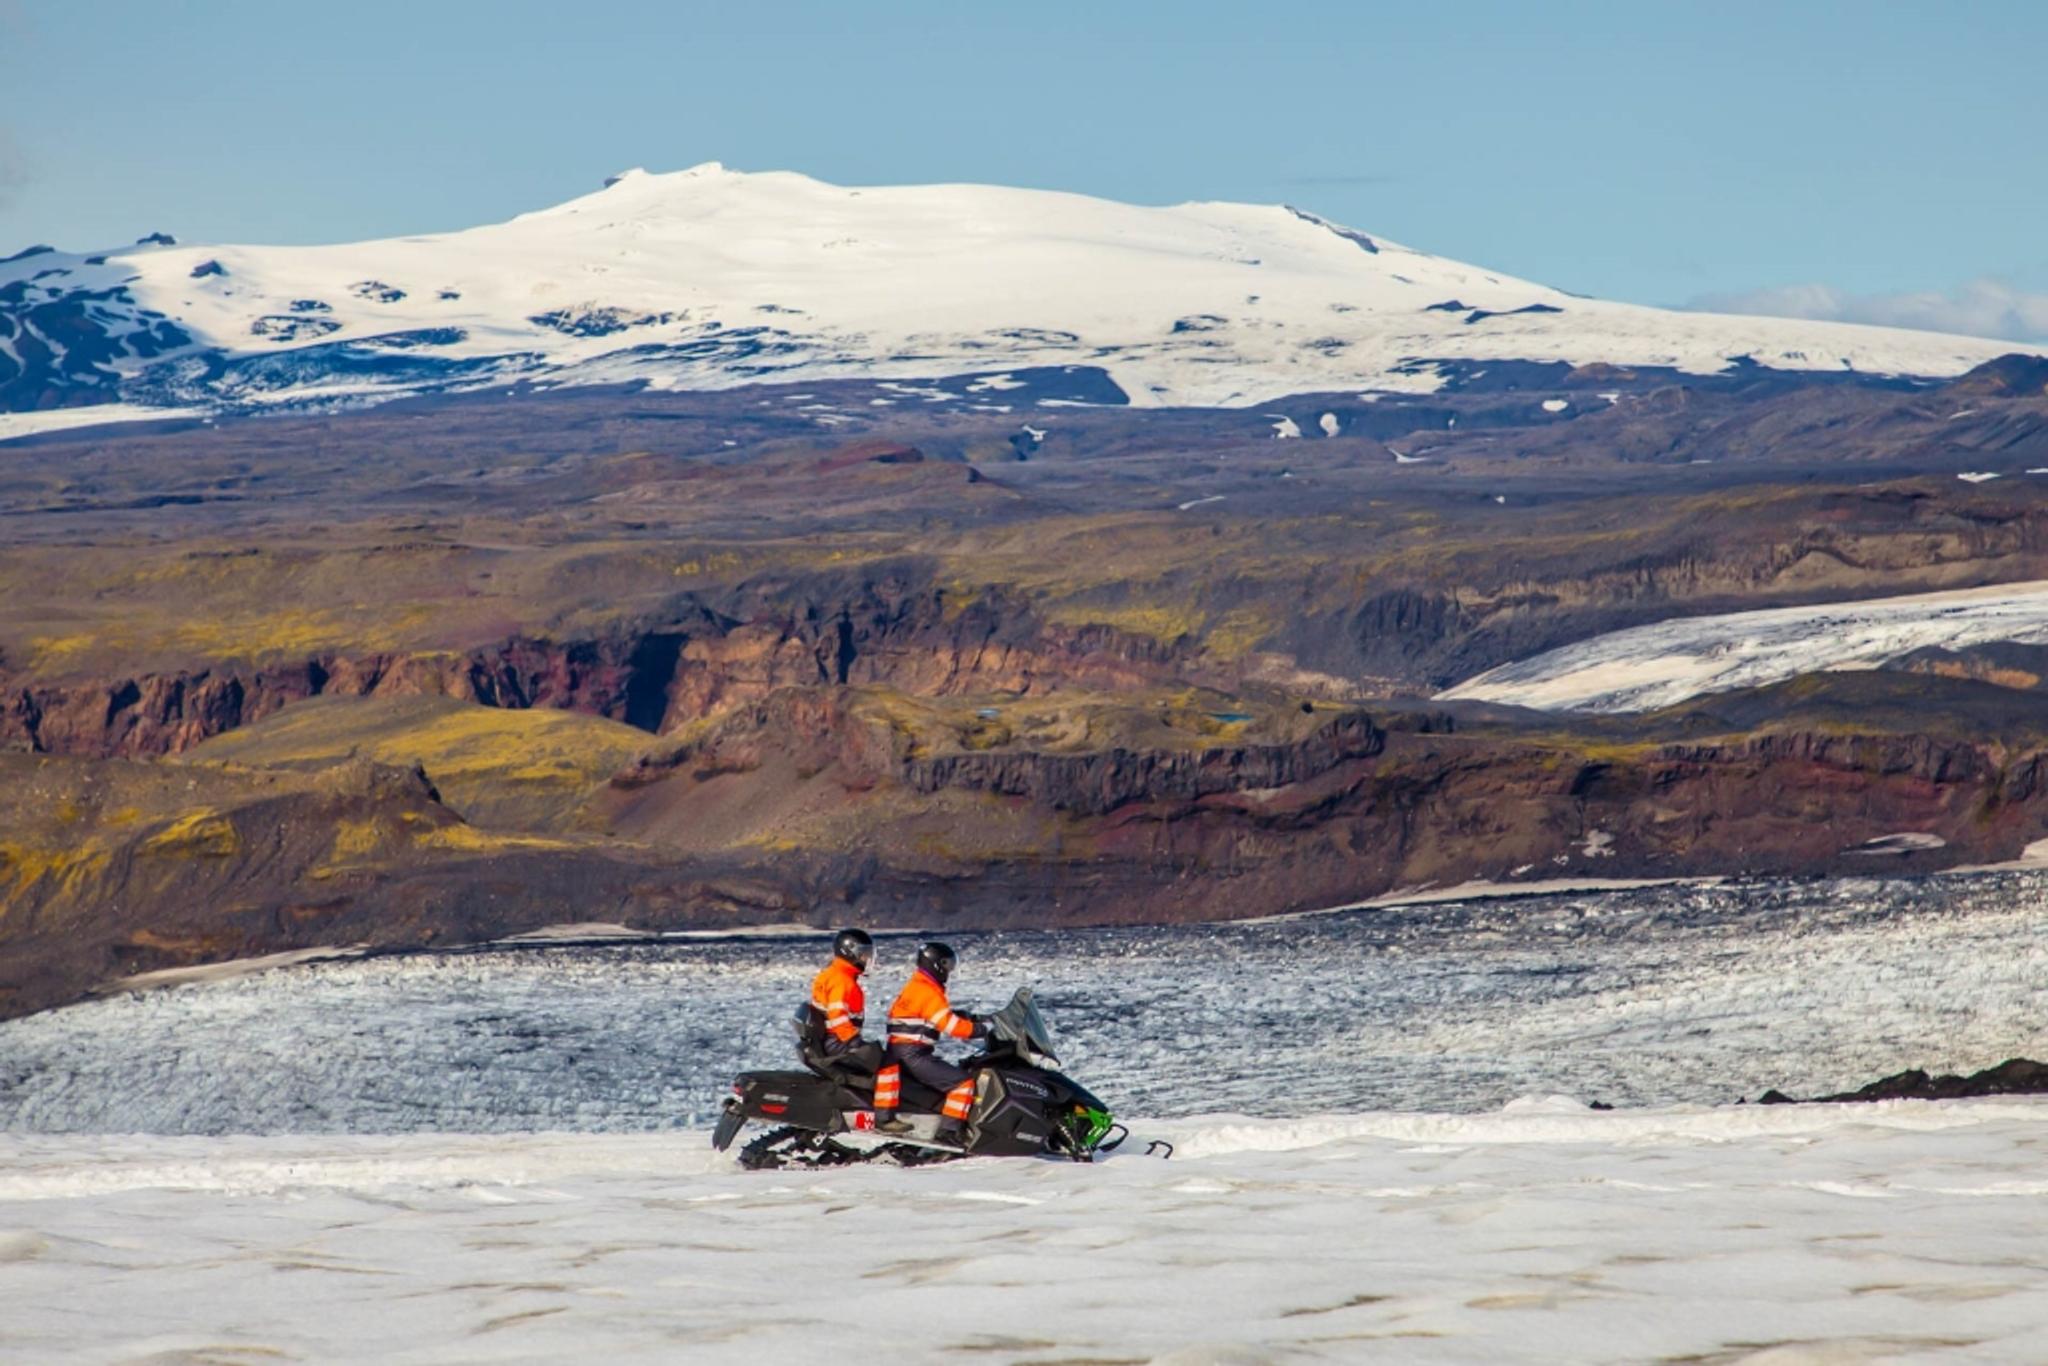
{"type": "Point", "coordinates": [827, 802]}
{"type": "Point", "coordinates": [1350, 805]}
{"type": "Point", "coordinates": [169, 713]}
{"type": "Point", "coordinates": [1099, 783]}
{"type": "Point", "coordinates": [697, 662]}
{"type": "Point", "coordinates": [898, 632]}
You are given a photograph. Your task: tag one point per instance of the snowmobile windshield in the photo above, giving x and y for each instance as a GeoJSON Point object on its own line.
{"type": "Point", "coordinates": [1020, 1023]}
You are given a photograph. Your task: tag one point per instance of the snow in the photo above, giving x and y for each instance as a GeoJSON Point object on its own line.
{"type": "Point", "coordinates": [15, 425]}
{"type": "Point", "coordinates": [1541, 1232]}
{"type": "Point", "coordinates": [995, 382]}
{"type": "Point", "coordinates": [578, 930]}
{"type": "Point", "coordinates": [1197, 502]}
{"type": "Point", "coordinates": [1284, 427]}
{"type": "Point", "coordinates": [1903, 842]}
{"type": "Point", "coordinates": [233, 968]}
{"type": "Point", "coordinates": [710, 278]}
{"type": "Point", "coordinates": [1486, 889]}
{"type": "Point", "coordinates": [1977, 476]}
{"type": "Point", "coordinates": [1329, 424]}
{"type": "Point", "coordinates": [1555, 405]}
{"type": "Point", "coordinates": [1646, 667]}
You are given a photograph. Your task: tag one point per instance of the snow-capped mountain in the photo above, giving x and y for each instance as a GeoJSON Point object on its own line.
{"type": "Point", "coordinates": [711, 278]}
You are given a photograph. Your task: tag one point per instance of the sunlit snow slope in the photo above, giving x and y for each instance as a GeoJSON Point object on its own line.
{"type": "Point", "coordinates": [1545, 1233]}
{"type": "Point", "coordinates": [1646, 667]}
{"type": "Point", "coordinates": [709, 278]}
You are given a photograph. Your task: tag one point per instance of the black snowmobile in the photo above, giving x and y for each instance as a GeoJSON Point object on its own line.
{"type": "Point", "coordinates": [825, 1116]}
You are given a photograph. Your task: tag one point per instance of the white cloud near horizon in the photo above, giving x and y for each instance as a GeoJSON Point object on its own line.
{"type": "Point", "coordinates": [1980, 308]}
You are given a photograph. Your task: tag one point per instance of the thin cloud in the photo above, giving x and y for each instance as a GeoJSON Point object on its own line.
{"type": "Point", "coordinates": [1981, 308]}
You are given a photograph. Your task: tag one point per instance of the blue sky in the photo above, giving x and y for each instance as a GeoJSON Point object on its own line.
{"type": "Point", "coordinates": [1872, 160]}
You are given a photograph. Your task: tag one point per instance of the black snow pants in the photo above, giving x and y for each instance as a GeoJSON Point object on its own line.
{"type": "Point", "coordinates": [928, 1067]}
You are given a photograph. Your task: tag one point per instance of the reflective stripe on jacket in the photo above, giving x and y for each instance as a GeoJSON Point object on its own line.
{"type": "Point", "coordinates": [922, 1016]}
{"type": "Point", "coordinates": [836, 994]}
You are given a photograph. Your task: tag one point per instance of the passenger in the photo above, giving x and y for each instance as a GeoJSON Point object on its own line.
{"type": "Point", "coordinates": [839, 1006]}
{"type": "Point", "coordinates": [921, 1017]}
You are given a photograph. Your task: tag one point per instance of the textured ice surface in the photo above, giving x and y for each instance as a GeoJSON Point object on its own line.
{"type": "Point", "coordinates": [1654, 996]}
{"type": "Point", "coordinates": [1904, 1232]}
{"type": "Point", "coordinates": [1646, 667]}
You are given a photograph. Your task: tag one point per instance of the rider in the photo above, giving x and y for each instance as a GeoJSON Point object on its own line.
{"type": "Point", "coordinates": [920, 1017]}
{"type": "Point", "coordinates": [839, 1006]}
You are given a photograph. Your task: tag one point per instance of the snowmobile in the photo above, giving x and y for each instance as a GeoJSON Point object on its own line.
{"type": "Point", "coordinates": [825, 1115]}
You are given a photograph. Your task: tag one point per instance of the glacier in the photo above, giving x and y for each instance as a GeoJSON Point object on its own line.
{"type": "Point", "coordinates": [1385, 1148]}
{"type": "Point", "coordinates": [1644, 997]}
{"type": "Point", "coordinates": [1643, 668]}
{"type": "Point", "coordinates": [711, 278]}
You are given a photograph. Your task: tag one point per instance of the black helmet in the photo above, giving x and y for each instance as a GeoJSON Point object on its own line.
{"type": "Point", "coordinates": [855, 946]}
{"type": "Point", "coordinates": [937, 959]}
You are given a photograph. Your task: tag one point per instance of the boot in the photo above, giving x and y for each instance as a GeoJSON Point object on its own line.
{"type": "Point", "coordinates": [952, 1133]}
{"type": "Point", "coordinates": [887, 1123]}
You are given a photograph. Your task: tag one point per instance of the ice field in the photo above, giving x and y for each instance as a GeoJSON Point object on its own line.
{"type": "Point", "coordinates": [1384, 1150]}
{"type": "Point", "coordinates": [1663, 995]}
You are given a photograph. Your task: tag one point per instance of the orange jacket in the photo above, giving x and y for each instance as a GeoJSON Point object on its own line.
{"type": "Point", "coordinates": [836, 992]}
{"type": "Point", "coordinates": [922, 1015]}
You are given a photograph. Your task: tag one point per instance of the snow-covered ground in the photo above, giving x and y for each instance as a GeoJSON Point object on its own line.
{"type": "Point", "coordinates": [13, 425]}
{"type": "Point", "coordinates": [1545, 1233]}
{"type": "Point", "coordinates": [710, 278]}
{"type": "Point", "coordinates": [1646, 667]}
{"type": "Point", "coordinates": [1377, 1158]}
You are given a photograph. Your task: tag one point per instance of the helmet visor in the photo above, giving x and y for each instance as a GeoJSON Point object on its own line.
{"type": "Point", "coordinates": [857, 949]}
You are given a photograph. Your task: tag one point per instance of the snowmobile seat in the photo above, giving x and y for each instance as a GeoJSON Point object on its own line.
{"type": "Point", "coordinates": [859, 1086]}
{"type": "Point", "coordinates": [848, 1072]}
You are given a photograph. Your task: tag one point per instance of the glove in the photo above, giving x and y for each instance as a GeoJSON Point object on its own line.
{"type": "Point", "coordinates": [979, 1026]}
